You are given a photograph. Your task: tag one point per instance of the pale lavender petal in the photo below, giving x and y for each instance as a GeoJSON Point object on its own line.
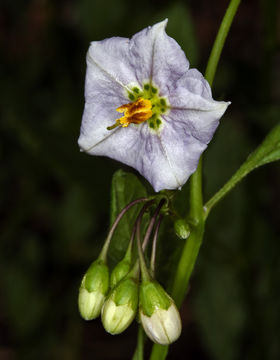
{"type": "Point", "coordinates": [105, 89]}
{"type": "Point", "coordinates": [157, 57]}
{"type": "Point", "coordinates": [97, 117]}
{"type": "Point", "coordinates": [192, 105]}
{"type": "Point", "coordinates": [109, 61]}
{"type": "Point", "coordinates": [136, 146]}
{"type": "Point", "coordinates": [181, 148]}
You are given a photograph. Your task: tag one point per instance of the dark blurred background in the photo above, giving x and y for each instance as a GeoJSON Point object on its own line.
{"type": "Point", "coordinates": [54, 200]}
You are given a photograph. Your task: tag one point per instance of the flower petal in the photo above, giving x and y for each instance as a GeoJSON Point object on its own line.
{"type": "Point", "coordinates": [192, 105]}
{"type": "Point", "coordinates": [157, 57]}
{"type": "Point", "coordinates": [107, 73]}
{"type": "Point", "coordinates": [108, 62]}
{"type": "Point", "coordinates": [136, 146]}
{"type": "Point", "coordinates": [182, 151]}
{"type": "Point", "coordinates": [97, 116]}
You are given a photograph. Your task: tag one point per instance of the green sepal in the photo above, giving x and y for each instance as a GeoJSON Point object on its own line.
{"type": "Point", "coordinates": [97, 277]}
{"type": "Point", "coordinates": [153, 297]}
{"type": "Point", "coordinates": [120, 271]}
{"type": "Point", "coordinates": [126, 293]}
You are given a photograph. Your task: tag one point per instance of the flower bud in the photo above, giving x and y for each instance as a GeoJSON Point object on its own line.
{"type": "Point", "coordinates": [93, 289]}
{"type": "Point", "coordinates": [119, 272]}
{"type": "Point", "coordinates": [182, 229]}
{"type": "Point", "coordinates": [159, 315]}
{"type": "Point", "coordinates": [120, 307]}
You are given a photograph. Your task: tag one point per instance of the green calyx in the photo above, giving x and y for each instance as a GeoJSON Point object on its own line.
{"type": "Point", "coordinates": [159, 103]}
{"type": "Point", "coordinates": [153, 297]}
{"type": "Point", "coordinates": [126, 293]}
{"type": "Point", "coordinates": [97, 277]}
{"type": "Point", "coordinates": [119, 272]}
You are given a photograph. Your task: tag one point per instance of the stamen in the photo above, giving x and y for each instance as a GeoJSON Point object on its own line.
{"type": "Point", "coordinates": [134, 113]}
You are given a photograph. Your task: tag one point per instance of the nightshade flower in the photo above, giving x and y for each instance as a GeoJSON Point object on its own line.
{"type": "Point", "coordinates": [146, 108]}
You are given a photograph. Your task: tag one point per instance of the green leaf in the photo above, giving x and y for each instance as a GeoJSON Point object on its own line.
{"type": "Point", "coordinates": [267, 152]}
{"type": "Point", "coordinates": [126, 187]}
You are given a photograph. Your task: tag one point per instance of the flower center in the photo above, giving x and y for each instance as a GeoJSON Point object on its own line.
{"type": "Point", "coordinates": [146, 105]}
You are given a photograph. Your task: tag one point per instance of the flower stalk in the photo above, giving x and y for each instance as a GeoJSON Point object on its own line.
{"type": "Point", "coordinates": [104, 251]}
{"type": "Point", "coordinates": [154, 247]}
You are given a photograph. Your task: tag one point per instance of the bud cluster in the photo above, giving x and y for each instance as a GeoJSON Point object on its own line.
{"type": "Point", "coordinates": [119, 296]}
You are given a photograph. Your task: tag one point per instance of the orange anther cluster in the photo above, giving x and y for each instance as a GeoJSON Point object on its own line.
{"type": "Point", "coordinates": [135, 113]}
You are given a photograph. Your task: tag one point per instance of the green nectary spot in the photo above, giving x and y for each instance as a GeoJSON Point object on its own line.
{"type": "Point", "coordinates": [159, 104]}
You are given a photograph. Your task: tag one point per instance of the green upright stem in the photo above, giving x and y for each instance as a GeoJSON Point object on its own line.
{"type": "Point", "coordinates": [186, 264]}
{"type": "Point", "coordinates": [220, 40]}
{"type": "Point", "coordinates": [193, 243]}
{"type": "Point", "coordinates": [196, 197]}
{"type": "Point", "coordinates": [139, 351]}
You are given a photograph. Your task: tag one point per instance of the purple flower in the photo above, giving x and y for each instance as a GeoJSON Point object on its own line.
{"type": "Point", "coordinates": [168, 115]}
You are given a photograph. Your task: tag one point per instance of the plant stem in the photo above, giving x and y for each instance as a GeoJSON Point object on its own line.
{"type": "Point", "coordinates": [196, 198]}
{"type": "Point", "coordinates": [154, 247]}
{"type": "Point", "coordinates": [193, 243]}
{"type": "Point", "coordinates": [139, 351]}
{"type": "Point", "coordinates": [220, 40]}
{"type": "Point", "coordinates": [186, 264]}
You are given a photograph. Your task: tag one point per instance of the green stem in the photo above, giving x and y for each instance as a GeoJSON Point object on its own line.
{"type": "Point", "coordinates": [139, 351]}
{"type": "Point", "coordinates": [220, 40]}
{"type": "Point", "coordinates": [159, 352]}
{"type": "Point", "coordinates": [193, 243]}
{"type": "Point", "coordinates": [186, 264]}
{"type": "Point", "coordinates": [196, 198]}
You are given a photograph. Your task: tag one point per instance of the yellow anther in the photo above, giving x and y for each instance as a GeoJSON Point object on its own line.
{"type": "Point", "coordinates": [135, 113]}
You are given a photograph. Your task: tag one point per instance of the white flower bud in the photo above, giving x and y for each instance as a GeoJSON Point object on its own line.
{"type": "Point", "coordinates": [164, 326]}
{"type": "Point", "coordinates": [119, 309]}
{"type": "Point", "coordinates": [90, 303]}
{"type": "Point", "coordinates": [93, 289]}
{"type": "Point", "coordinates": [159, 315]}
